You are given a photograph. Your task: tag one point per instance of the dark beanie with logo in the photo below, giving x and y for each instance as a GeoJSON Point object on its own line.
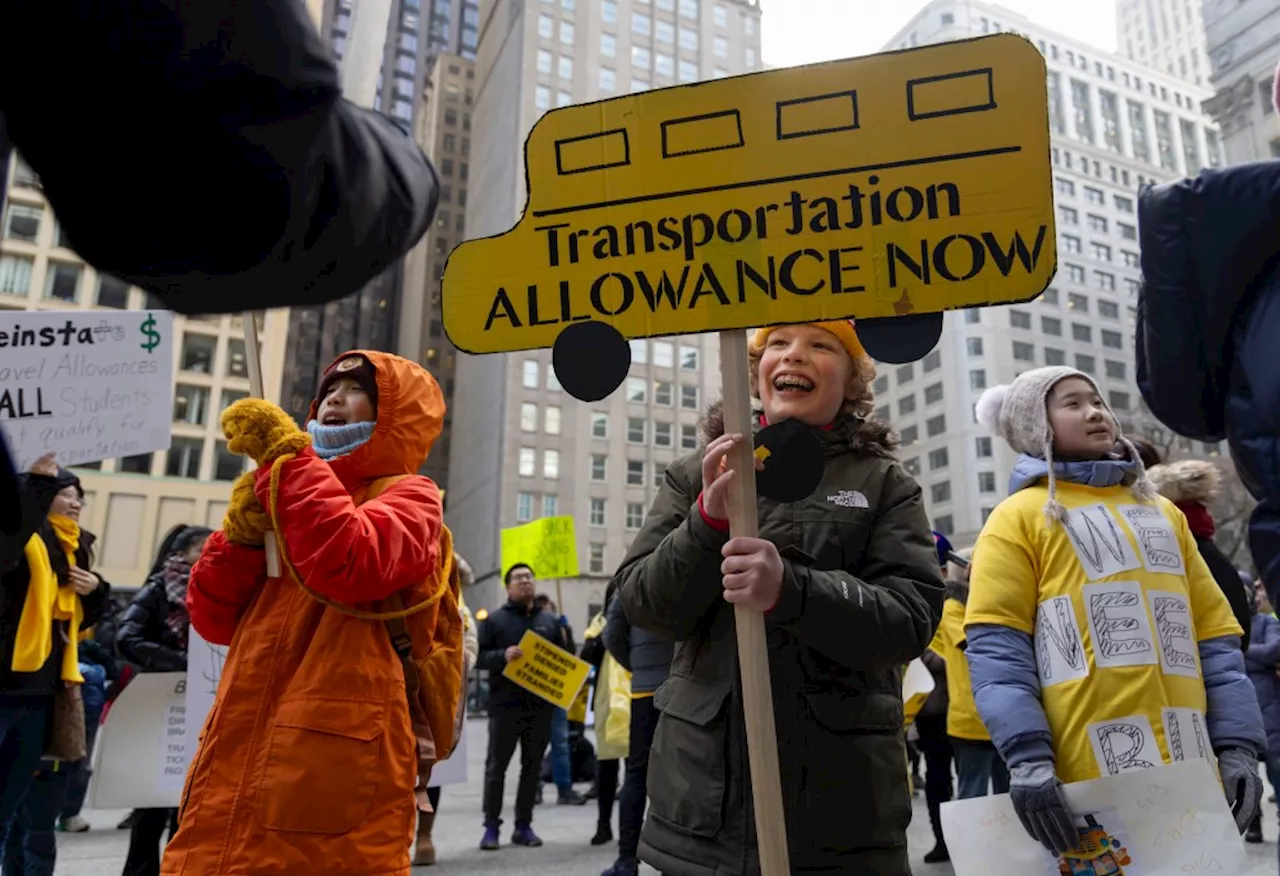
{"type": "Point", "coordinates": [357, 368]}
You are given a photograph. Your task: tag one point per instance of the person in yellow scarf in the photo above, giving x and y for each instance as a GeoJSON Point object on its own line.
{"type": "Point", "coordinates": [47, 596]}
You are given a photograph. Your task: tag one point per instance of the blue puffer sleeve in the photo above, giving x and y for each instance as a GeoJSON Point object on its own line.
{"type": "Point", "coordinates": [1006, 688]}
{"type": "Point", "coordinates": [1233, 718]}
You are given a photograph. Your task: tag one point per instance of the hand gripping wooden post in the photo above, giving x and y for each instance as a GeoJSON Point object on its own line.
{"type": "Point", "coordinates": [753, 652]}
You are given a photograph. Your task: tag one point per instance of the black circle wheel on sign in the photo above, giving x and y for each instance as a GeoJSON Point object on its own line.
{"type": "Point", "coordinates": [898, 340]}
{"type": "Point", "coordinates": [591, 359]}
{"type": "Point", "coordinates": [793, 468]}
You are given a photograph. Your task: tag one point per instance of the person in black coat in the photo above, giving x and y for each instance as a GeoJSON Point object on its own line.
{"type": "Point", "coordinates": [153, 636]}
{"type": "Point", "coordinates": [45, 584]}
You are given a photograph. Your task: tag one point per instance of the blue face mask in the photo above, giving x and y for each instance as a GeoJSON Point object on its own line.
{"type": "Point", "coordinates": [330, 442]}
{"type": "Point", "coordinates": [1029, 470]}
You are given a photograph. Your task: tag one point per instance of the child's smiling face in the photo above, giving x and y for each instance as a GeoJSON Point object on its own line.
{"type": "Point", "coordinates": [1083, 427]}
{"type": "Point", "coordinates": [344, 404]}
{"type": "Point", "coordinates": [803, 373]}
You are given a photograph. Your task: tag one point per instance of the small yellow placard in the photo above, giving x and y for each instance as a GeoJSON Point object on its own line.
{"type": "Point", "coordinates": [547, 671]}
{"type": "Point", "coordinates": [548, 546]}
{"type": "Point", "coordinates": [904, 183]}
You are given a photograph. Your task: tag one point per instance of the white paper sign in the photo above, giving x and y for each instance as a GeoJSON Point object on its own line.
{"type": "Point", "coordinates": [1123, 745]}
{"type": "Point", "coordinates": [1157, 542]}
{"type": "Point", "coordinates": [1100, 543]}
{"type": "Point", "coordinates": [1178, 646]}
{"type": "Point", "coordinates": [204, 672]}
{"type": "Point", "coordinates": [1059, 648]}
{"type": "Point", "coordinates": [1118, 623]}
{"type": "Point", "coordinates": [454, 770]}
{"type": "Point", "coordinates": [140, 759]}
{"type": "Point", "coordinates": [1166, 821]}
{"type": "Point", "coordinates": [86, 384]}
{"type": "Point", "coordinates": [1186, 733]}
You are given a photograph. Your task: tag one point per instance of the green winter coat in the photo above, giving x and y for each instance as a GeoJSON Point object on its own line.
{"type": "Point", "coordinates": [861, 598]}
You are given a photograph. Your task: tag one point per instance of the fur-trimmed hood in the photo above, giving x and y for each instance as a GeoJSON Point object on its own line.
{"type": "Point", "coordinates": [1187, 480]}
{"type": "Point", "coordinates": [871, 436]}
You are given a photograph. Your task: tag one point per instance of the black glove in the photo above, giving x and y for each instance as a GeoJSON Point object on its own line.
{"type": "Point", "coordinates": [1041, 807]}
{"type": "Point", "coordinates": [1242, 784]}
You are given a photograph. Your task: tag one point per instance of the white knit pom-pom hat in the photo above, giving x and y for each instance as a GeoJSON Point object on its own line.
{"type": "Point", "coordinates": [1019, 413]}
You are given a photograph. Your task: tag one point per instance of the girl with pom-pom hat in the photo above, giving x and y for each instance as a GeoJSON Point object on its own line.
{"type": "Point", "coordinates": [1098, 641]}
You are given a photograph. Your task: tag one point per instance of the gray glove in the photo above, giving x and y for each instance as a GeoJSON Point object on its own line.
{"type": "Point", "coordinates": [1243, 785]}
{"type": "Point", "coordinates": [1041, 807]}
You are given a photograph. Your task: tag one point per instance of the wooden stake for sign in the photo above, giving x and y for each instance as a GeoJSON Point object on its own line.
{"type": "Point", "coordinates": [753, 652]}
{"type": "Point", "coordinates": [253, 359]}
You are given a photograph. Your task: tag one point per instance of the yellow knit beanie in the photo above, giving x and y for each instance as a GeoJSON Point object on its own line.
{"type": "Point", "coordinates": [841, 328]}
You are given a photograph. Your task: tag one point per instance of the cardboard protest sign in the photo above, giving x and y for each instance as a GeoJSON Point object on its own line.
{"type": "Point", "coordinates": [204, 673]}
{"type": "Point", "coordinates": [140, 757]}
{"type": "Point", "coordinates": [86, 384]}
{"type": "Point", "coordinates": [895, 185]}
{"type": "Point", "coordinates": [1166, 820]}
{"type": "Point", "coordinates": [917, 684]}
{"type": "Point", "coordinates": [547, 671]}
{"type": "Point", "coordinates": [547, 545]}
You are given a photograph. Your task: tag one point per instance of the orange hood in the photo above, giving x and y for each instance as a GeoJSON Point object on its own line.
{"type": "Point", "coordinates": [410, 415]}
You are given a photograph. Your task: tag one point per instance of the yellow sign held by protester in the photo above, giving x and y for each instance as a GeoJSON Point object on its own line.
{"type": "Point", "coordinates": [547, 671]}
{"type": "Point", "coordinates": [905, 183]}
{"type": "Point", "coordinates": [548, 546]}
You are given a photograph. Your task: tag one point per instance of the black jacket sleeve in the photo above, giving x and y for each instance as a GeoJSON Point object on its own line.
{"type": "Point", "coordinates": [493, 654]}
{"type": "Point", "coordinates": [35, 495]}
{"type": "Point", "coordinates": [238, 177]}
{"type": "Point", "coordinates": [137, 642]}
{"type": "Point", "coordinates": [617, 633]}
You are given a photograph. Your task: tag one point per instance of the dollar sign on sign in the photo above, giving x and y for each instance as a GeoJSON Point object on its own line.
{"type": "Point", "coordinates": [149, 333]}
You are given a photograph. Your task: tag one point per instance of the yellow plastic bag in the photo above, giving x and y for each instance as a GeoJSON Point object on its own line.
{"type": "Point", "coordinates": [578, 711]}
{"type": "Point", "coordinates": [613, 710]}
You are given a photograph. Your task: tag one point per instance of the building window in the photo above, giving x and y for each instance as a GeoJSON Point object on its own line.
{"type": "Point", "coordinates": [973, 316]}
{"type": "Point", "coordinates": [1124, 204]}
{"type": "Point", "coordinates": [22, 222]}
{"type": "Point", "coordinates": [973, 346]}
{"type": "Point", "coordinates": [566, 33]}
{"type": "Point", "coordinates": [227, 466]}
{"type": "Point", "coordinates": [15, 274]}
{"type": "Point", "coordinates": [936, 425]}
{"type": "Point", "coordinates": [599, 466]}
{"type": "Point", "coordinates": [720, 16]}
{"type": "Point", "coordinates": [1069, 215]}
{"type": "Point", "coordinates": [531, 368]}
{"type": "Point", "coordinates": [662, 392]}
{"type": "Point", "coordinates": [595, 557]}
{"type": "Point", "coordinates": [636, 429]}
{"type": "Point", "coordinates": [541, 99]}
{"type": "Point", "coordinates": [1054, 357]}
{"type": "Point", "coordinates": [1071, 243]}
{"type": "Point", "coordinates": [641, 58]}
{"type": "Point", "coordinates": [661, 434]}
{"type": "Point", "coordinates": [986, 482]}
{"type": "Point", "coordinates": [1020, 319]}
{"type": "Point", "coordinates": [544, 61]}
{"type": "Point", "coordinates": [1075, 274]}
{"type": "Point", "coordinates": [528, 417]}
{"type": "Point", "coordinates": [749, 26]}
{"type": "Point", "coordinates": [977, 379]}
{"type": "Point", "coordinates": [551, 420]}
{"type": "Point", "coordinates": [140, 464]}
{"type": "Point", "coordinates": [1127, 231]}
{"type": "Point", "coordinates": [664, 354]}
{"type": "Point", "coordinates": [944, 524]}
{"type": "Point", "coordinates": [608, 11]}
{"type": "Point", "coordinates": [1131, 259]}
{"type": "Point", "coordinates": [1097, 223]}
{"type": "Point", "coordinates": [1113, 340]}
{"type": "Point", "coordinates": [231, 396]}
{"type": "Point", "coordinates": [664, 64]}
{"type": "Point", "coordinates": [198, 352]}
{"type": "Point", "coordinates": [688, 437]}
{"type": "Point", "coordinates": [1064, 186]}
{"type": "Point", "coordinates": [1108, 310]}
{"type": "Point", "coordinates": [905, 373]}
{"type": "Point", "coordinates": [563, 98]}
{"type": "Point", "coordinates": [1078, 303]}
{"type": "Point", "coordinates": [940, 492]}
{"type": "Point", "coordinates": [982, 447]}
{"type": "Point", "coordinates": [112, 292]}
{"type": "Point", "coordinates": [641, 24]}
{"type": "Point", "coordinates": [1081, 333]}
{"type": "Point", "coordinates": [546, 27]}
{"type": "Point", "coordinates": [1050, 325]}
{"type": "Point", "coordinates": [688, 8]}
{"type": "Point", "coordinates": [524, 507]}
{"type": "Point", "coordinates": [1101, 252]}
{"type": "Point", "coordinates": [664, 32]}
{"type": "Point", "coordinates": [1024, 352]}
{"type": "Point", "coordinates": [597, 512]}
{"type": "Point", "coordinates": [688, 39]}
{"type": "Point", "coordinates": [635, 473]}
{"type": "Point", "coordinates": [912, 466]}
{"type": "Point", "coordinates": [906, 405]}
{"type": "Point", "coordinates": [637, 390]}
{"type": "Point", "coordinates": [689, 398]}
{"type": "Point", "coordinates": [528, 462]}
{"type": "Point", "coordinates": [688, 358]}
{"type": "Point", "coordinates": [62, 282]}
{"type": "Point", "coordinates": [184, 457]}
{"type": "Point", "coordinates": [1086, 363]}
{"type": "Point", "coordinates": [1116, 370]}
{"type": "Point", "coordinates": [1094, 196]}
{"type": "Point", "coordinates": [550, 505]}
{"type": "Point", "coordinates": [608, 79]}
{"type": "Point", "coordinates": [720, 46]}
{"type": "Point", "coordinates": [933, 394]}
{"type": "Point", "coordinates": [190, 404]}
{"type": "Point", "coordinates": [932, 362]}
{"type": "Point", "coordinates": [1119, 400]}
{"type": "Point", "coordinates": [599, 425]}
{"type": "Point", "coordinates": [910, 435]}
{"type": "Point", "coordinates": [639, 352]}
{"type": "Point", "coordinates": [635, 515]}
{"type": "Point", "coordinates": [551, 464]}
{"type": "Point", "coordinates": [1104, 280]}
{"type": "Point", "coordinates": [938, 458]}
{"type": "Point", "coordinates": [608, 45]}
{"type": "Point", "coordinates": [1050, 296]}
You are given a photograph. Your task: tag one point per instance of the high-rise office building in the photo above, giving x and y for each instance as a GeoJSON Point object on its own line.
{"type": "Point", "coordinates": [521, 448]}
{"type": "Point", "coordinates": [443, 130]}
{"type": "Point", "coordinates": [131, 502]}
{"type": "Point", "coordinates": [1244, 48]}
{"type": "Point", "coordinates": [1168, 35]}
{"type": "Point", "coordinates": [1115, 125]}
{"type": "Point", "coordinates": [417, 31]}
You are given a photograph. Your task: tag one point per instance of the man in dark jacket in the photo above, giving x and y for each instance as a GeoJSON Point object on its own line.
{"type": "Point", "coordinates": [515, 715]}
{"type": "Point", "coordinates": [647, 656]}
{"type": "Point", "coordinates": [1209, 316]}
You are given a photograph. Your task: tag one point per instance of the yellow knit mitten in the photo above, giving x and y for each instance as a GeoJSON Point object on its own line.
{"type": "Point", "coordinates": [261, 431]}
{"type": "Point", "coordinates": [246, 520]}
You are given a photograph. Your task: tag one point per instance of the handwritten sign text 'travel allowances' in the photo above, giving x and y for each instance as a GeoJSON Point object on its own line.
{"type": "Point", "coordinates": [87, 385]}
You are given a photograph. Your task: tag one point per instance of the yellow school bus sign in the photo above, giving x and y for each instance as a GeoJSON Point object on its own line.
{"type": "Point", "coordinates": [905, 183]}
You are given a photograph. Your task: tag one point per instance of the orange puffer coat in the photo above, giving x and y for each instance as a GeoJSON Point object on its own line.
{"type": "Point", "coordinates": [307, 762]}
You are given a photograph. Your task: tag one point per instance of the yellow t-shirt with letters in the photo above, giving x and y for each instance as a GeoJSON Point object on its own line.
{"type": "Point", "coordinates": [1117, 599]}
{"type": "Point", "coordinates": [962, 712]}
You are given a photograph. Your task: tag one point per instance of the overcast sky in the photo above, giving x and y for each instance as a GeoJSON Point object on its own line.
{"type": "Point", "coordinates": [805, 31]}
